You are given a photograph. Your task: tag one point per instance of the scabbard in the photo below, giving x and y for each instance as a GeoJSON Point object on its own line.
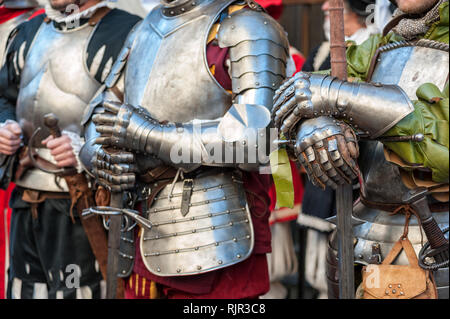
{"type": "Point", "coordinates": [83, 197]}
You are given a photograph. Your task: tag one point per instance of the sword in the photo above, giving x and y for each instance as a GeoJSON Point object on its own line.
{"type": "Point", "coordinates": [112, 268]}
{"type": "Point", "coordinates": [344, 193]}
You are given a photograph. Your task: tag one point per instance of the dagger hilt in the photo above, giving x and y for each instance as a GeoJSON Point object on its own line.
{"type": "Point", "coordinates": [51, 122]}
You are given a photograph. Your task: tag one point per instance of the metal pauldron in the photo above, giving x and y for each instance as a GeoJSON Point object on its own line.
{"type": "Point", "coordinates": [372, 108]}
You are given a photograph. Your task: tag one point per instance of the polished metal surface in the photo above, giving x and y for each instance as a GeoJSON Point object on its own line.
{"type": "Point", "coordinates": [20, 4]}
{"type": "Point", "coordinates": [55, 71]}
{"type": "Point", "coordinates": [217, 231]}
{"type": "Point", "coordinates": [400, 67]}
{"type": "Point", "coordinates": [167, 69]}
{"type": "Point", "coordinates": [382, 180]}
{"type": "Point", "coordinates": [258, 49]}
{"type": "Point", "coordinates": [358, 102]}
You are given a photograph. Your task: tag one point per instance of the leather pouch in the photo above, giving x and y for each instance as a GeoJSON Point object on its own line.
{"type": "Point", "coordinates": [387, 281]}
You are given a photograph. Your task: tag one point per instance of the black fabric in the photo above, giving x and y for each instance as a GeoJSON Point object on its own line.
{"type": "Point", "coordinates": [309, 63]}
{"type": "Point", "coordinates": [10, 71]}
{"type": "Point", "coordinates": [111, 33]}
{"type": "Point", "coordinates": [41, 249]}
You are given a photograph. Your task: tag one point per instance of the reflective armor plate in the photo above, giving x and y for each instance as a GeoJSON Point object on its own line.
{"type": "Point", "coordinates": [54, 80]}
{"type": "Point", "coordinates": [167, 71]}
{"type": "Point", "coordinates": [216, 232]}
{"type": "Point", "coordinates": [409, 67]}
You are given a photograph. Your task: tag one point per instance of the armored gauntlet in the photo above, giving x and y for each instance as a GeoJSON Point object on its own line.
{"type": "Point", "coordinates": [328, 150]}
{"type": "Point", "coordinates": [220, 142]}
{"type": "Point", "coordinates": [370, 108]}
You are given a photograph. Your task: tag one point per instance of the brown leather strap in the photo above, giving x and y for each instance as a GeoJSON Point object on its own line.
{"type": "Point", "coordinates": [83, 197]}
{"type": "Point", "coordinates": [98, 15]}
{"type": "Point", "coordinates": [391, 207]}
{"type": "Point", "coordinates": [34, 198]}
{"type": "Point", "coordinates": [159, 173]}
{"type": "Point", "coordinates": [402, 244]}
{"type": "Point", "coordinates": [118, 93]}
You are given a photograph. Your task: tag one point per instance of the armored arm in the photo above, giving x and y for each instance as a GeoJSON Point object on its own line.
{"type": "Point", "coordinates": [372, 108]}
{"type": "Point", "coordinates": [258, 50]}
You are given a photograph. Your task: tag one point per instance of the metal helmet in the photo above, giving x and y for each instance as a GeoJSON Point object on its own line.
{"type": "Point", "coordinates": [20, 4]}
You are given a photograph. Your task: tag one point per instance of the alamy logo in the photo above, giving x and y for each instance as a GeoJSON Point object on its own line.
{"type": "Point", "coordinates": [73, 277]}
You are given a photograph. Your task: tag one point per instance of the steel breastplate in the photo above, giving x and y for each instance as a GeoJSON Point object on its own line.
{"type": "Point", "coordinates": [217, 231]}
{"type": "Point", "coordinates": [167, 71]}
{"type": "Point", "coordinates": [55, 80]}
{"type": "Point", "coordinates": [408, 65]}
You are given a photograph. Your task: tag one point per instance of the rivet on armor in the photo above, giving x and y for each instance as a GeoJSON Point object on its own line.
{"type": "Point", "coordinates": [399, 286]}
{"type": "Point", "coordinates": [402, 293]}
{"type": "Point", "coordinates": [209, 215]}
{"type": "Point", "coordinates": [390, 286]}
{"type": "Point", "coordinates": [235, 239]}
{"type": "Point", "coordinates": [248, 236]}
{"type": "Point", "coordinates": [216, 243]}
{"type": "Point", "coordinates": [238, 256]}
{"type": "Point", "coordinates": [197, 248]}
{"type": "Point", "coordinates": [124, 272]}
{"type": "Point", "coordinates": [246, 220]}
{"type": "Point", "coordinates": [177, 251]}
{"type": "Point", "coordinates": [178, 270]}
{"type": "Point", "coordinates": [387, 292]}
{"type": "Point", "coordinates": [183, 9]}
{"type": "Point", "coordinates": [199, 267]}
{"type": "Point", "coordinates": [172, 13]}
{"type": "Point", "coordinates": [394, 291]}
{"type": "Point", "coordinates": [220, 262]}
{"type": "Point", "coordinates": [265, 22]}
{"type": "Point", "coordinates": [158, 269]}
{"type": "Point", "coordinates": [231, 223]}
{"type": "Point", "coordinates": [228, 211]}
{"type": "Point", "coordinates": [360, 256]}
{"type": "Point", "coordinates": [213, 227]}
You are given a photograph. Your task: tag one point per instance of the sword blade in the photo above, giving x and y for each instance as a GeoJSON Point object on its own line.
{"type": "Point", "coordinates": [344, 206]}
{"type": "Point", "coordinates": [113, 247]}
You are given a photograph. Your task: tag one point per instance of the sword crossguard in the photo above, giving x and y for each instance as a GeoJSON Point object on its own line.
{"type": "Point", "coordinates": [113, 211]}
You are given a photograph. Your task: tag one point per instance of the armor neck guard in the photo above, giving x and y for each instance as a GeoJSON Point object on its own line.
{"type": "Point", "coordinates": [178, 7]}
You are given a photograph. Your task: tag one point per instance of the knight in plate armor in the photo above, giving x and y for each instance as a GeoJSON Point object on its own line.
{"type": "Point", "coordinates": [388, 126]}
{"type": "Point", "coordinates": [53, 66]}
{"type": "Point", "coordinates": [197, 80]}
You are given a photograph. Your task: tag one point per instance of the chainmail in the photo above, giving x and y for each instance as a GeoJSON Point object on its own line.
{"type": "Point", "coordinates": [411, 28]}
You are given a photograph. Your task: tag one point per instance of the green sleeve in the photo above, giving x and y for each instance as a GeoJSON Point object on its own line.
{"type": "Point", "coordinates": [429, 118]}
{"type": "Point", "coordinates": [360, 56]}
